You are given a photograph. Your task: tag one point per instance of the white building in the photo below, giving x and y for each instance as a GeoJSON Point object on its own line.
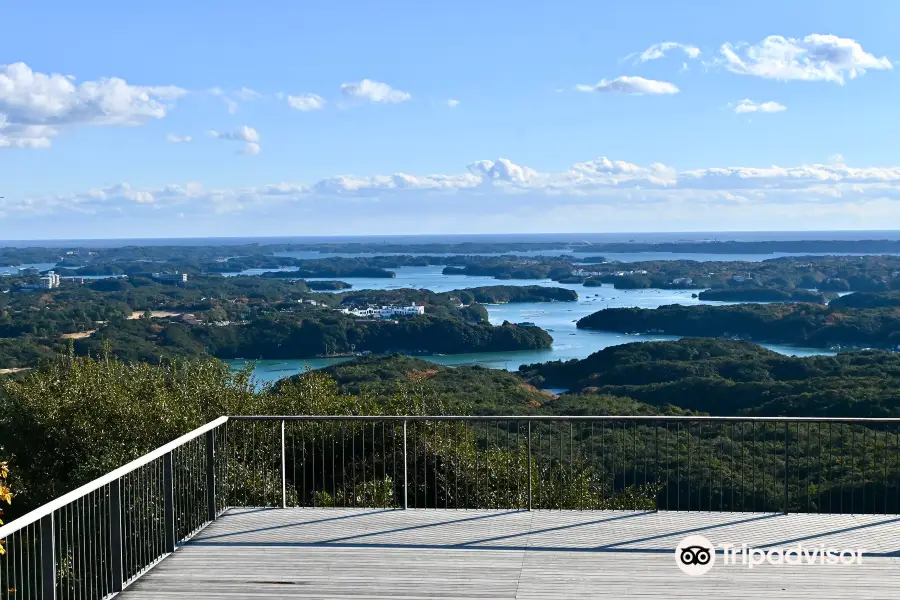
{"type": "Point", "coordinates": [682, 281]}
{"type": "Point", "coordinates": [385, 312]}
{"type": "Point", "coordinates": [49, 281]}
{"type": "Point", "coordinates": [403, 311]}
{"type": "Point", "coordinates": [171, 277]}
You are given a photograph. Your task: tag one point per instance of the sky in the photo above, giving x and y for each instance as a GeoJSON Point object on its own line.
{"type": "Point", "coordinates": [227, 118]}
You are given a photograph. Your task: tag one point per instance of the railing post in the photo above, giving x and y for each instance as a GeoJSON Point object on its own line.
{"type": "Point", "coordinates": [787, 450]}
{"type": "Point", "coordinates": [115, 535]}
{"type": "Point", "coordinates": [48, 557]}
{"type": "Point", "coordinates": [529, 465]}
{"type": "Point", "coordinates": [283, 469]}
{"type": "Point", "coordinates": [211, 475]}
{"type": "Point", "coordinates": [405, 488]}
{"type": "Point", "coordinates": [169, 502]}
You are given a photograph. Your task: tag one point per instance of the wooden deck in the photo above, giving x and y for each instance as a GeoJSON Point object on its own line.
{"type": "Point", "coordinates": [360, 554]}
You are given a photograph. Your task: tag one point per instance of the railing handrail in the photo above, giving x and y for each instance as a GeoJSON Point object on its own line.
{"type": "Point", "coordinates": [651, 418]}
{"type": "Point", "coordinates": [42, 511]}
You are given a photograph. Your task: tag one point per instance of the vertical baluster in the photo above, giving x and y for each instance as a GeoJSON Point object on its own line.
{"type": "Point", "coordinates": [211, 471]}
{"type": "Point", "coordinates": [116, 535]}
{"type": "Point", "coordinates": [168, 502]}
{"type": "Point", "coordinates": [48, 557]}
{"type": "Point", "coordinates": [529, 464]}
{"type": "Point", "coordinates": [405, 463]}
{"type": "Point", "coordinates": [787, 463]}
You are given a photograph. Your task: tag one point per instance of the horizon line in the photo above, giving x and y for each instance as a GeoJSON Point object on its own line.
{"type": "Point", "coordinates": [451, 235]}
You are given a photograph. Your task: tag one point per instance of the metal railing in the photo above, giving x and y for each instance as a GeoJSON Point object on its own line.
{"type": "Point", "coordinates": [97, 539]}
{"type": "Point", "coordinates": [737, 464]}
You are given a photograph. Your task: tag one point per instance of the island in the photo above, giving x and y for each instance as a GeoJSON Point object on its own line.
{"type": "Point", "coordinates": [151, 318]}
{"type": "Point", "coordinates": [765, 294]}
{"type": "Point", "coordinates": [801, 324]}
{"type": "Point", "coordinates": [725, 377]}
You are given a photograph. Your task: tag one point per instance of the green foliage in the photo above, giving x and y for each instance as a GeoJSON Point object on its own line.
{"type": "Point", "coordinates": [868, 300]}
{"type": "Point", "coordinates": [369, 494]}
{"type": "Point", "coordinates": [763, 294]}
{"type": "Point", "coordinates": [799, 324]}
{"type": "Point", "coordinates": [325, 333]}
{"type": "Point", "coordinates": [725, 377]}
{"type": "Point", "coordinates": [77, 418]}
{"type": "Point", "coordinates": [70, 421]}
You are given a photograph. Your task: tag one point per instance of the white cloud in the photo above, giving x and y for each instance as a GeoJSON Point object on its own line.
{"type": "Point", "coordinates": [25, 136]}
{"type": "Point", "coordinates": [245, 134]}
{"type": "Point", "coordinates": [368, 90]}
{"type": "Point", "coordinates": [749, 106]}
{"type": "Point", "coordinates": [35, 106]}
{"type": "Point", "coordinates": [630, 85]}
{"type": "Point", "coordinates": [246, 94]}
{"type": "Point", "coordinates": [178, 139]}
{"type": "Point", "coordinates": [657, 51]}
{"type": "Point", "coordinates": [807, 177]}
{"type": "Point", "coordinates": [502, 170]}
{"type": "Point", "coordinates": [230, 99]}
{"type": "Point", "coordinates": [815, 57]}
{"type": "Point", "coordinates": [451, 103]}
{"type": "Point", "coordinates": [306, 102]}
{"type": "Point", "coordinates": [600, 194]}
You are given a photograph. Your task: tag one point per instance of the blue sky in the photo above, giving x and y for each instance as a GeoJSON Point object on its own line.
{"type": "Point", "coordinates": [660, 144]}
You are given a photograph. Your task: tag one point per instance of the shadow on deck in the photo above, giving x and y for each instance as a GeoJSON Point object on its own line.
{"type": "Point", "coordinates": [341, 553]}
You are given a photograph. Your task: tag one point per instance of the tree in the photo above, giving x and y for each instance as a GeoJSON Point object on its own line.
{"type": "Point", "coordinates": [216, 314]}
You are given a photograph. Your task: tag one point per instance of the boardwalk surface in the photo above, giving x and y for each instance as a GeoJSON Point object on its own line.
{"type": "Point", "coordinates": [361, 554]}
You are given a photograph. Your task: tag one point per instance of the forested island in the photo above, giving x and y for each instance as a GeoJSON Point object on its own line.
{"type": "Point", "coordinates": [754, 247]}
{"type": "Point", "coordinates": [724, 377]}
{"type": "Point", "coordinates": [310, 337]}
{"type": "Point", "coordinates": [800, 324]}
{"type": "Point", "coordinates": [245, 253]}
{"type": "Point", "coordinates": [868, 300]}
{"type": "Point", "coordinates": [871, 273]}
{"type": "Point", "coordinates": [142, 319]}
{"type": "Point", "coordinates": [764, 294]}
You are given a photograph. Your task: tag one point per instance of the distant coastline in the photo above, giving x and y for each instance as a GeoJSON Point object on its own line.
{"type": "Point", "coordinates": [636, 237]}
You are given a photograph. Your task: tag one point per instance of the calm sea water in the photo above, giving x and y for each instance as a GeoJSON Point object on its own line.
{"type": "Point", "coordinates": [15, 270]}
{"type": "Point", "coordinates": [557, 317]}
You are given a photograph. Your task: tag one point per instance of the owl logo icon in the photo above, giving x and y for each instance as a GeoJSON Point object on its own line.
{"type": "Point", "coordinates": [695, 555]}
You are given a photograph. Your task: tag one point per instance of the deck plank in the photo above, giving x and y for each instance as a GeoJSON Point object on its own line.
{"type": "Point", "coordinates": [449, 554]}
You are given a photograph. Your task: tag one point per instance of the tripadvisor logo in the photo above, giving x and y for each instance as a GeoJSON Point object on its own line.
{"type": "Point", "coordinates": [696, 555]}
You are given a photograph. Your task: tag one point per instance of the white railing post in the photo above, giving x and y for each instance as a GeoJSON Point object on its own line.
{"type": "Point", "coordinates": [169, 501]}
{"type": "Point", "coordinates": [48, 557]}
{"type": "Point", "coordinates": [405, 487]}
{"type": "Point", "coordinates": [529, 465]}
{"type": "Point", "coordinates": [115, 535]}
{"type": "Point", "coordinates": [211, 475]}
{"type": "Point", "coordinates": [283, 469]}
